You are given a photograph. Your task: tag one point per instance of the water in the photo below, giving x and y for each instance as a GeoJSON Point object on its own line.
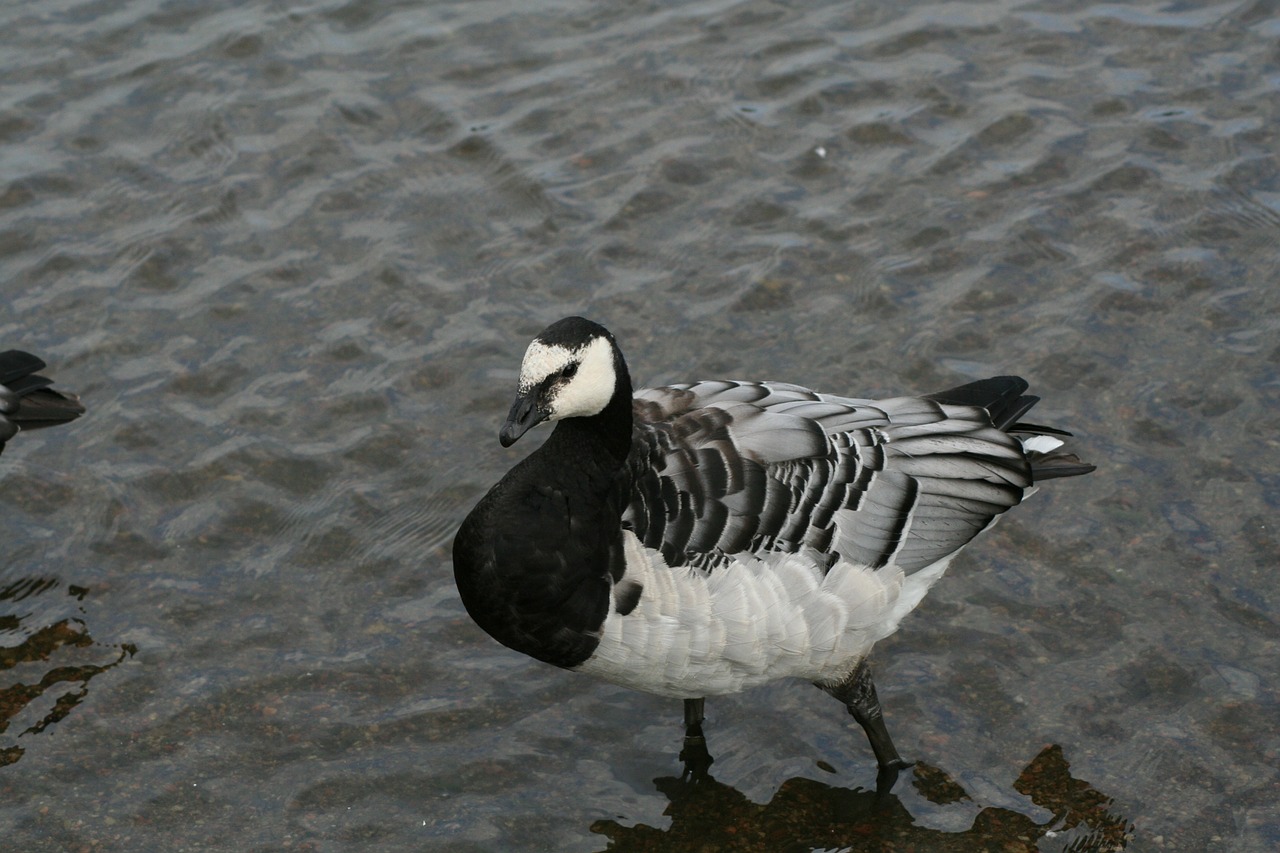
{"type": "Point", "coordinates": [290, 255]}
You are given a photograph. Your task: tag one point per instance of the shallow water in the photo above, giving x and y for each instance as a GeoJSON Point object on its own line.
{"type": "Point", "coordinates": [290, 255]}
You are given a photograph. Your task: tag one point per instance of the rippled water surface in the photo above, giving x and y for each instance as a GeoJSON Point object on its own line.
{"type": "Point", "coordinates": [290, 255]}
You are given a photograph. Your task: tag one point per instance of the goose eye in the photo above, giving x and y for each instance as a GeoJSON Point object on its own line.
{"type": "Point", "coordinates": [569, 370]}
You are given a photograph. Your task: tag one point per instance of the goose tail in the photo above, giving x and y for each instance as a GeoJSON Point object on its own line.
{"type": "Point", "coordinates": [1003, 399]}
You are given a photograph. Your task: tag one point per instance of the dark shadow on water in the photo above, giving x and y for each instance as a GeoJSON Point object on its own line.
{"type": "Point", "coordinates": [806, 815]}
{"type": "Point", "coordinates": [54, 651]}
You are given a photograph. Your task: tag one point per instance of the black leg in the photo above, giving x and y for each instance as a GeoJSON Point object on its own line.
{"type": "Point", "coordinates": [858, 693]}
{"type": "Point", "coordinates": [693, 717]}
{"type": "Point", "coordinates": [697, 761]}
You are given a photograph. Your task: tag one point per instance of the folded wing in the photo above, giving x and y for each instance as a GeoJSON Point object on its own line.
{"type": "Point", "coordinates": [722, 468]}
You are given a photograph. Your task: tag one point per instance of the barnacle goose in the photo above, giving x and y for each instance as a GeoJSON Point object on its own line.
{"type": "Point", "coordinates": [704, 538]}
{"type": "Point", "coordinates": [26, 400]}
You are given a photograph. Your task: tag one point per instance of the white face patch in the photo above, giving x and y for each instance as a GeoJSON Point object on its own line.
{"type": "Point", "coordinates": [591, 388]}
{"type": "Point", "coordinates": [540, 361]}
{"type": "Point", "coordinates": [584, 394]}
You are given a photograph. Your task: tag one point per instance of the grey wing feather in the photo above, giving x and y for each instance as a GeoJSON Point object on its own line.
{"type": "Point", "coordinates": [722, 468]}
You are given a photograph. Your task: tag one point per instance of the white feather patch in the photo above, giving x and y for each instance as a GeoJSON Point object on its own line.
{"type": "Point", "coordinates": [755, 620]}
{"type": "Point", "coordinates": [1041, 443]}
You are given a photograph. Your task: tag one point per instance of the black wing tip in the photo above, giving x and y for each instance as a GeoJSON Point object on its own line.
{"type": "Point", "coordinates": [1001, 396]}
{"type": "Point", "coordinates": [1038, 429]}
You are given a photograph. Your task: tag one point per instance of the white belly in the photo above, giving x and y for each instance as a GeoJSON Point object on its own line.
{"type": "Point", "coordinates": [696, 633]}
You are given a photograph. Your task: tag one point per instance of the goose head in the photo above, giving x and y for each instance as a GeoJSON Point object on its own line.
{"type": "Point", "coordinates": [570, 370]}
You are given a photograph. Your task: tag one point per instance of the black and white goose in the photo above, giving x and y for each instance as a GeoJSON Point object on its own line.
{"type": "Point", "coordinates": [701, 539]}
{"type": "Point", "coordinates": [26, 400]}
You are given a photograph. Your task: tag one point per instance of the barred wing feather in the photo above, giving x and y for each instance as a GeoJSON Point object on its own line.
{"type": "Point", "coordinates": [724, 468]}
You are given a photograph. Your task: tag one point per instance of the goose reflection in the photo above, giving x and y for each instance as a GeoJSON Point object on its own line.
{"type": "Point", "coordinates": [56, 657]}
{"type": "Point", "coordinates": [805, 814]}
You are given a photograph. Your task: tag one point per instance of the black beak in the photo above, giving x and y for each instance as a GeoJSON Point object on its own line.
{"type": "Point", "coordinates": [524, 416]}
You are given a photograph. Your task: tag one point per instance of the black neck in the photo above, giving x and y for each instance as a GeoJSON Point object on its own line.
{"type": "Point", "coordinates": [608, 432]}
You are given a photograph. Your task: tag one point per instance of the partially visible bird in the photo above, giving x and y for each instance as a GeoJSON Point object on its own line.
{"type": "Point", "coordinates": [704, 538]}
{"type": "Point", "coordinates": [26, 399]}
